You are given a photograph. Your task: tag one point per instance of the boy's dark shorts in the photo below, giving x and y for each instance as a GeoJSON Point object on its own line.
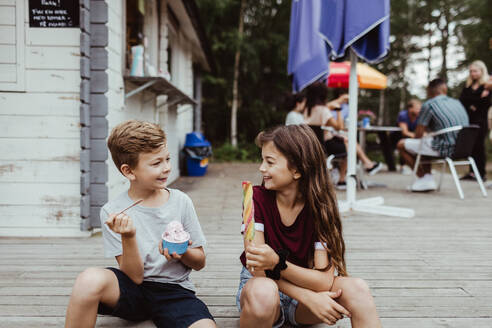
{"type": "Point", "coordinates": [167, 305]}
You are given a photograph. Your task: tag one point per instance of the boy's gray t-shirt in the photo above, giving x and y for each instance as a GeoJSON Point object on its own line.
{"type": "Point", "coordinates": [150, 223]}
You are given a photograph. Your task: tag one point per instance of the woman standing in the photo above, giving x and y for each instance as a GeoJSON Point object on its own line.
{"type": "Point", "coordinates": [477, 100]}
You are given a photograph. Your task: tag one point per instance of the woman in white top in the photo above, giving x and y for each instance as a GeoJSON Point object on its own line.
{"type": "Point", "coordinates": [318, 113]}
{"type": "Point", "coordinates": [296, 104]}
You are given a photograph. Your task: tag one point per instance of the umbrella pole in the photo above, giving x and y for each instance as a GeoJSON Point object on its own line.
{"type": "Point", "coordinates": [352, 130]}
{"type": "Point", "coordinates": [371, 205]}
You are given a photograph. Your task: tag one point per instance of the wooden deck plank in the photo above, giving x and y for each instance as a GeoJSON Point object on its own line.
{"type": "Point", "coordinates": [433, 270]}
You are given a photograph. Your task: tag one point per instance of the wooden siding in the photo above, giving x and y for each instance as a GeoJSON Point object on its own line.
{"type": "Point", "coordinates": [40, 132]}
{"type": "Point", "coordinates": [12, 45]}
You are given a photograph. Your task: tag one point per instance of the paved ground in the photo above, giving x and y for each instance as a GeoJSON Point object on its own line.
{"type": "Point", "coordinates": [433, 270]}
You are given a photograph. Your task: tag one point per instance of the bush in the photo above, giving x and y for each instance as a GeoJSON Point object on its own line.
{"type": "Point", "coordinates": [246, 152]}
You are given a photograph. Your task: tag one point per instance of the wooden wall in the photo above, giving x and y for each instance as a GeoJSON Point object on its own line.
{"type": "Point", "coordinates": [39, 126]}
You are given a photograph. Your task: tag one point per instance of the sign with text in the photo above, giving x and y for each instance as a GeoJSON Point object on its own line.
{"type": "Point", "coordinates": [53, 13]}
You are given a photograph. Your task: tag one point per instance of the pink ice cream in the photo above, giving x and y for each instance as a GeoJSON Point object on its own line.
{"type": "Point", "coordinates": [175, 233]}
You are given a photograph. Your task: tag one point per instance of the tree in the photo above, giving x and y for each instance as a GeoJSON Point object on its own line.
{"type": "Point", "coordinates": [475, 32]}
{"type": "Point", "coordinates": [237, 56]}
{"type": "Point", "coordinates": [406, 23]}
{"type": "Point", "coordinates": [262, 74]}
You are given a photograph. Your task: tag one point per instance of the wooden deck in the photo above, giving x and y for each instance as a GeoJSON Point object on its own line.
{"type": "Point", "coordinates": [434, 270]}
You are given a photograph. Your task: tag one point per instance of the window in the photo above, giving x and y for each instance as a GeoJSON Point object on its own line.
{"type": "Point", "coordinates": [135, 10]}
{"type": "Point", "coordinates": [12, 46]}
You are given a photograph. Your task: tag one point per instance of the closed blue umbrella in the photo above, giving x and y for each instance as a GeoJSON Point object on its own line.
{"type": "Point", "coordinates": [362, 26]}
{"type": "Point", "coordinates": [308, 53]}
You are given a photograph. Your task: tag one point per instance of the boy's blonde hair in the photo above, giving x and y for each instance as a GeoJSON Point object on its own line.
{"type": "Point", "coordinates": [128, 139]}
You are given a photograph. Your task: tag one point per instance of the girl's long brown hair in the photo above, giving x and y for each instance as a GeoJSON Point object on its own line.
{"type": "Point", "coordinates": [303, 151]}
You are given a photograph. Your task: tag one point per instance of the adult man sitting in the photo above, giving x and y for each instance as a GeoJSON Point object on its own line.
{"type": "Point", "coordinates": [438, 112]}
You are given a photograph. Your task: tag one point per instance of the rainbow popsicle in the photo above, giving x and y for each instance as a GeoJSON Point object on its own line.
{"type": "Point", "coordinates": [248, 211]}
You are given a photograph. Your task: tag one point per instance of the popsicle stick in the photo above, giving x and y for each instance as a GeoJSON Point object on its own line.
{"type": "Point", "coordinates": [126, 209]}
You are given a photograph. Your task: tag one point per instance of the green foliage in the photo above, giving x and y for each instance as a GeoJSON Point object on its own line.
{"type": "Point", "coordinates": [264, 48]}
{"type": "Point", "coordinates": [263, 78]}
{"type": "Point", "coordinates": [245, 152]}
{"type": "Point", "coordinates": [475, 32]}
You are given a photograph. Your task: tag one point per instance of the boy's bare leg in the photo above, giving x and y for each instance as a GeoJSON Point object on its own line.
{"type": "Point", "coordinates": [92, 286]}
{"type": "Point", "coordinates": [260, 303]}
{"type": "Point", "coordinates": [356, 298]}
{"type": "Point", "coordinates": [204, 323]}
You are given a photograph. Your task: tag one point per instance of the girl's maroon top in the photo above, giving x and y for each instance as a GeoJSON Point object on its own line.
{"type": "Point", "coordinates": [297, 238]}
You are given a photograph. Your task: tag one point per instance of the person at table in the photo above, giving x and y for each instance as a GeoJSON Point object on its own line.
{"type": "Point", "coordinates": [407, 119]}
{"type": "Point", "coordinates": [477, 100]}
{"type": "Point", "coordinates": [407, 122]}
{"type": "Point", "coordinates": [438, 112]}
{"type": "Point", "coordinates": [341, 98]}
{"type": "Point", "coordinates": [295, 103]}
{"type": "Point", "coordinates": [318, 113]}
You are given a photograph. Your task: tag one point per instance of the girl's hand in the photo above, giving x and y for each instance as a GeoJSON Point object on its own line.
{"type": "Point", "coordinates": [485, 93]}
{"type": "Point", "coordinates": [174, 255]}
{"type": "Point", "coordinates": [261, 257]}
{"type": "Point", "coordinates": [324, 307]}
{"type": "Point", "coordinates": [122, 224]}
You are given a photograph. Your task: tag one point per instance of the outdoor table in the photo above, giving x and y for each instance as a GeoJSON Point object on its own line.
{"type": "Point", "coordinates": [385, 142]}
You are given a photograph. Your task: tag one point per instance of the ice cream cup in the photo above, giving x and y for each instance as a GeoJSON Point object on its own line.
{"type": "Point", "coordinates": [179, 248]}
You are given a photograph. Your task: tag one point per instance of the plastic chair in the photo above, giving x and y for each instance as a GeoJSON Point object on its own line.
{"type": "Point", "coordinates": [463, 149]}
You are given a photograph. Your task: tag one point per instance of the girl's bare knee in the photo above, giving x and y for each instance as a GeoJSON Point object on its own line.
{"type": "Point", "coordinates": [260, 297]}
{"type": "Point", "coordinates": [357, 294]}
{"type": "Point", "coordinates": [360, 287]}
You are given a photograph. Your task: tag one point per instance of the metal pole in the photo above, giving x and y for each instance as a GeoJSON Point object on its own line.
{"type": "Point", "coordinates": [352, 130]}
{"type": "Point", "coordinates": [198, 97]}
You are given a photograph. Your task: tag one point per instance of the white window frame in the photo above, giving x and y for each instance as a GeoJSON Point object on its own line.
{"type": "Point", "coordinates": [20, 48]}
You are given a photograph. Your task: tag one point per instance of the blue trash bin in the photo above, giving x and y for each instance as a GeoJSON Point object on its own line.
{"type": "Point", "coordinates": [197, 150]}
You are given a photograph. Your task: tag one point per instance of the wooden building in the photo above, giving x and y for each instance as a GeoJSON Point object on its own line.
{"type": "Point", "coordinates": [65, 82]}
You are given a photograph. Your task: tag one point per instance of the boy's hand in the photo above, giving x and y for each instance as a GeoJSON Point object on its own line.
{"type": "Point", "coordinates": [174, 255]}
{"type": "Point", "coordinates": [122, 224]}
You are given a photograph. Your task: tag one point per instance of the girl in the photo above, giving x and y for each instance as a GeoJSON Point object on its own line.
{"type": "Point", "coordinates": [318, 113]}
{"type": "Point", "coordinates": [477, 100]}
{"type": "Point", "coordinates": [298, 245]}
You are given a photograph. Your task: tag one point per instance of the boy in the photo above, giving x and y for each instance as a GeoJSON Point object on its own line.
{"type": "Point", "coordinates": [150, 283]}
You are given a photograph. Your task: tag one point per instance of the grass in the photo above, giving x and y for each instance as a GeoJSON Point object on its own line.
{"type": "Point", "coordinates": [245, 152]}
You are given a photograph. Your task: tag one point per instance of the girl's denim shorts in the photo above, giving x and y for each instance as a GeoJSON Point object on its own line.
{"type": "Point", "coordinates": [288, 305]}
